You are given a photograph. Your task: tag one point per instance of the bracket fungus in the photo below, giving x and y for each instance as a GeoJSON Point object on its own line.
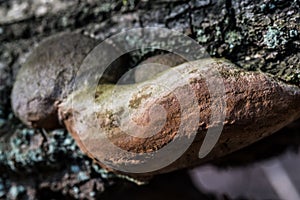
{"type": "Point", "coordinates": [46, 78]}
{"type": "Point", "coordinates": [126, 116]}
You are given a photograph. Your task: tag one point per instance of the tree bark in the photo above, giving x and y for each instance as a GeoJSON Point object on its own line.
{"type": "Point", "coordinates": [255, 35]}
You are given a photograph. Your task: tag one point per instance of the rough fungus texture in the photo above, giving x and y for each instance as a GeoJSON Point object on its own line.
{"type": "Point", "coordinates": [257, 106]}
{"type": "Point", "coordinates": [156, 64]}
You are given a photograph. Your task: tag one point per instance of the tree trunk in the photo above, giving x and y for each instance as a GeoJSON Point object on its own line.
{"type": "Point", "coordinates": [255, 35]}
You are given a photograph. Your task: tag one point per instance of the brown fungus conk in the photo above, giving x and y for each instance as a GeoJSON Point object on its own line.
{"type": "Point", "coordinates": [47, 77]}
{"type": "Point", "coordinates": [257, 106]}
